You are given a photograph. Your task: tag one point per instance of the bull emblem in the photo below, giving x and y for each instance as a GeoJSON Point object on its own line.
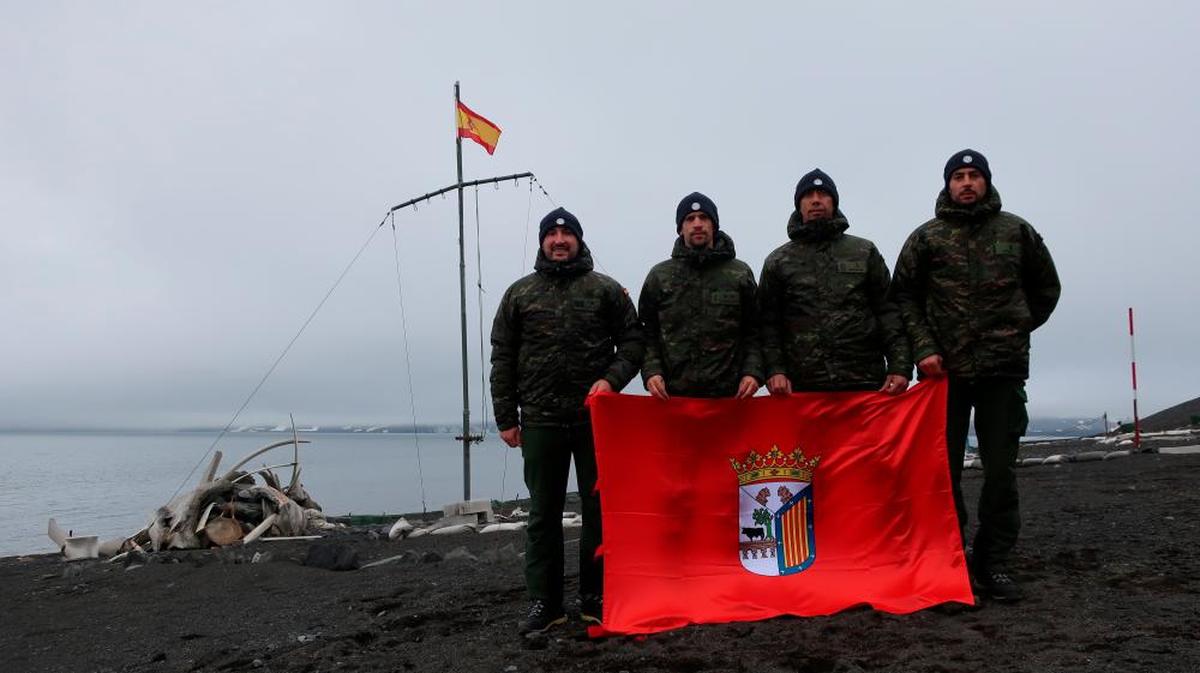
{"type": "Point", "coordinates": [775, 512]}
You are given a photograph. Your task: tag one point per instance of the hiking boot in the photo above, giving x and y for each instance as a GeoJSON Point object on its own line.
{"type": "Point", "coordinates": [542, 617]}
{"type": "Point", "coordinates": [591, 608]}
{"type": "Point", "coordinates": [997, 584]}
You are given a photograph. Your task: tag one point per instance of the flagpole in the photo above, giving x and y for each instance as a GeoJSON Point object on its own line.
{"type": "Point", "coordinates": [462, 303]}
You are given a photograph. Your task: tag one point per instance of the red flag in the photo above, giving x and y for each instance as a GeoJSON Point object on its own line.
{"type": "Point", "coordinates": [733, 510]}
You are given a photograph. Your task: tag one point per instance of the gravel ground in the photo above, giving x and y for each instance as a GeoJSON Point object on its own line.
{"type": "Point", "coordinates": [1109, 555]}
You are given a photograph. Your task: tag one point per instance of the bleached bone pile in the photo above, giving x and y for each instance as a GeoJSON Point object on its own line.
{"type": "Point", "coordinates": [236, 507]}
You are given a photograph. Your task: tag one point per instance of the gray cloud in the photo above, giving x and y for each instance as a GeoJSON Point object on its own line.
{"type": "Point", "coordinates": [181, 188]}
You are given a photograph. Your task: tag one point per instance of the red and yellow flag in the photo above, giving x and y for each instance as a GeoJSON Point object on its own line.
{"type": "Point", "coordinates": [472, 125]}
{"type": "Point", "coordinates": [730, 510]}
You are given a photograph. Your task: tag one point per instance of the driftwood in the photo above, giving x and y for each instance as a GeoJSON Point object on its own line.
{"type": "Point", "coordinates": [73, 546]}
{"type": "Point", "coordinates": [211, 472]}
{"type": "Point", "coordinates": [256, 454]}
{"type": "Point", "coordinates": [223, 531]}
{"type": "Point", "coordinates": [204, 517]}
{"type": "Point", "coordinates": [235, 508]}
{"type": "Point", "coordinates": [260, 529]}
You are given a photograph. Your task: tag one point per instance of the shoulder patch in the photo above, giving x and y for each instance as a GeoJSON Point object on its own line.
{"type": "Point", "coordinates": [1004, 248]}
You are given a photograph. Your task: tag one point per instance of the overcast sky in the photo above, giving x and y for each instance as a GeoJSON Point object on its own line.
{"type": "Point", "coordinates": [181, 184]}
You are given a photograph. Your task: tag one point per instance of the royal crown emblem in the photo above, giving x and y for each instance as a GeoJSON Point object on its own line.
{"type": "Point", "coordinates": [775, 463]}
{"type": "Point", "coordinates": [775, 511]}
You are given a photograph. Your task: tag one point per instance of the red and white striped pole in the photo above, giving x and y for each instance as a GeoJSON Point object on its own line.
{"type": "Point", "coordinates": [1137, 424]}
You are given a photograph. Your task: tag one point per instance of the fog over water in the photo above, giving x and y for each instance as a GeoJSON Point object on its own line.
{"type": "Point", "coordinates": [109, 484]}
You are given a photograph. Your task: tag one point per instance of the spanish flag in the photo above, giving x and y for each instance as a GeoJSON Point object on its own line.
{"type": "Point", "coordinates": [475, 127]}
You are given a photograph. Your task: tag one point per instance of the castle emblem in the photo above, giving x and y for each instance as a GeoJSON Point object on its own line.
{"type": "Point", "coordinates": [775, 512]}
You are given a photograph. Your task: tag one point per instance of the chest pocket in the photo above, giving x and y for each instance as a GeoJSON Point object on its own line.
{"type": "Point", "coordinates": [585, 304]}
{"type": "Point", "coordinates": [846, 286]}
{"type": "Point", "coordinates": [1003, 263]}
{"type": "Point", "coordinates": [540, 318]}
{"type": "Point", "coordinates": [724, 298]}
{"type": "Point", "coordinates": [723, 311]}
{"type": "Point", "coordinates": [586, 318]}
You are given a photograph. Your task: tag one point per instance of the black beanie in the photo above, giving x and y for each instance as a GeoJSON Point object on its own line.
{"type": "Point", "coordinates": [559, 217]}
{"type": "Point", "coordinates": [967, 159]}
{"type": "Point", "coordinates": [696, 202]}
{"type": "Point", "coordinates": [816, 179]}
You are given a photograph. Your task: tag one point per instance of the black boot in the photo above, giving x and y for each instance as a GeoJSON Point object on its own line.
{"type": "Point", "coordinates": [591, 608]}
{"type": "Point", "coordinates": [542, 617]}
{"type": "Point", "coordinates": [995, 583]}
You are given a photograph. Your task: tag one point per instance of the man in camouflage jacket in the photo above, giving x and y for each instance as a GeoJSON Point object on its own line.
{"type": "Point", "coordinates": [972, 283]}
{"type": "Point", "coordinates": [698, 313]}
{"type": "Point", "coordinates": [560, 334]}
{"type": "Point", "coordinates": [825, 317]}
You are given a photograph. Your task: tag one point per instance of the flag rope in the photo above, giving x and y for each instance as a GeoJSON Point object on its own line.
{"type": "Point", "coordinates": [389, 216]}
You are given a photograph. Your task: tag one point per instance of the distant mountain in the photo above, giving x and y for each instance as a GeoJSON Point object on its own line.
{"type": "Point", "coordinates": [1042, 426]}
{"type": "Point", "coordinates": [1065, 427]}
{"type": "Point", "coordinates": [1179, 416]}
{"type": "Point", "coordinates": [357, 428]}
{"type": "Point", "coordinates": [424, 428]}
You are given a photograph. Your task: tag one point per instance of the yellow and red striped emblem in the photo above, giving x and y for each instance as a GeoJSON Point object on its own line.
{"type": "Point", "coordinates": [794, 534]}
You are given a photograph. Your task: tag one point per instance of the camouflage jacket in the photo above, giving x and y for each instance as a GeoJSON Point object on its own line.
{"type": "Point", "coordinates": [972, 283]}
{"type": "Point", "coordinates": [557, 331]}
{"type": "Point", "coordinates": [700, 320]}
{"type": "Point", "coordinates": [825, 316]}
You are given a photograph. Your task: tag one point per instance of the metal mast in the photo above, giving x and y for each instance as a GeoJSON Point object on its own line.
{"type": "Point", "coordinates": [462, 305]}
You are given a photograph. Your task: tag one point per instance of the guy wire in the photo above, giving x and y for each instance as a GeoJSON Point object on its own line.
{"type": "Point", "coordinates": [412, 403]}
{"type": "Point", "coordinates": [271, 369]}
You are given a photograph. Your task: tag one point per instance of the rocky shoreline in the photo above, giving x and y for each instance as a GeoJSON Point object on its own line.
{"type": "Point", "coordinates": [1109, 556]}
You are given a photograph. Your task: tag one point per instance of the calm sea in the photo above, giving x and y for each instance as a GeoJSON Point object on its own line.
{"type": "Point", "coordinates": [109, 484]}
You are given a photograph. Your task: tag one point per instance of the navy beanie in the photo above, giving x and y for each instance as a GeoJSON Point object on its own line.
{"type": "Point", "coordinates": [816, 179]}
{"type": "Point", "coordinates": [559, 217]}
{"type": "Point", "coordinates": [967, 159]}
{"type": "Point", "coordinates": [696, 202]}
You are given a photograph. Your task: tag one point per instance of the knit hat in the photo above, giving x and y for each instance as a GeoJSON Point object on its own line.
{"type": "Point", "coordinates": [559, 217]}
{"type": "Point", "coordinates": [967, 159]}
{"type": "Point", "coordinates": [692, 203]}
{"type": "Point", "coordinates": [816, 179]}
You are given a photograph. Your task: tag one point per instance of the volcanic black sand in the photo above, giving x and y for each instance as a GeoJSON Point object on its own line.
{"type": "Point", "coordinates": [1109, 555]}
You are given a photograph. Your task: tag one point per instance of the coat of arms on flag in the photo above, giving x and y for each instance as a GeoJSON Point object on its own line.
{"type": "Point", "coordinates": [775, 511]}
{"type": "Point", "coordinates": [834, 500]}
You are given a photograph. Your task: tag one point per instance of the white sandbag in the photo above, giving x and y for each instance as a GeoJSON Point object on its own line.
{"type": "Point", "coordinates": [454, 530]}
{"type": "Point", "coordinates": [401, 529]}
{"type": "Point", "coordinates": [497, 527]}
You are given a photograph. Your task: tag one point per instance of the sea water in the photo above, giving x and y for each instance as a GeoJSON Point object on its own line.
{"type": "Point", "coordinates": [110, 484]}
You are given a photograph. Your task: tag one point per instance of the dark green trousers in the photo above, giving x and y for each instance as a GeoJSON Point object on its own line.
{"type": "Point", "coordinates": [548, 453]}
{"type": "Point", "coordinates": [1000, 420]}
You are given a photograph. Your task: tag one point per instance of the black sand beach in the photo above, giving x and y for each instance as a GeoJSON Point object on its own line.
{"type": "Point", "coordinates": [1109, 556]}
